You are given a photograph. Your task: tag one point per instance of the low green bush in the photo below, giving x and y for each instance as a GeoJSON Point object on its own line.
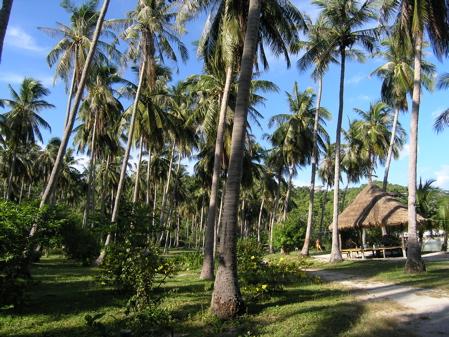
{"type": "Point", "coordinates": [289, 234]}
{"type": "Point", "coordinates": [187, 260]}
{"type": "Point", "coordinates": [260, 277]}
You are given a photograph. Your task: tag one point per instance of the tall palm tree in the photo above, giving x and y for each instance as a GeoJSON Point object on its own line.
{"type": "Point", "coordinates": [442, 120]}
{"type": "Point", "coordinates": [150, 32]}
{"type": "Point", "coordinates": [321, 62]}
{"type": "Point", "coordinates": [5, 12]}
{"type": "Point", "coordinates": [414, 18]}
{"type": "Point", "coordinates": [373, 130]}
{"type": "Point", "coordinates": [23, 120]}
{"type": "Point", "coordinates": [345, 22]}
{"type": "Point", "coordinates": [99, 113]}
{"type": "Point", "coordinates": [295, 132]}
{"type": "Point", "coordinates": [223, 39]}
{"type": "Point", "coordinates": [70, 53]}
{"type": "Point", "coordinates": [71, 120]}
{"type": "Point", "coordinates": [397, 75]}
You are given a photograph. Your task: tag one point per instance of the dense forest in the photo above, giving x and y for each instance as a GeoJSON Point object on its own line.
{"type": "Point", "coordinates": [176, 176]}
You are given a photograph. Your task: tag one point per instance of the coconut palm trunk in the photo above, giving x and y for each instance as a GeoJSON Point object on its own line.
{"type": "Point", "coordinates": [259, 220]}
{"type": "Point", "coordinates": [90, 183]}
{"type": "Point", "coordinates": [289, 189]}
{"type": "Point", "coordinates": [335, 250]}
{"type": "Point", "coordinates": [72, 116]}
{"type": "Point", "coordinates": [207, 271]}
{"type": "Point", "coordinates": [12, 170]}
{"type": "Point", "coordinates": [5, 13]}
{"type": "Point", "coordinates": [71, 90]}
{"type": "Point", "coordinates": [125, 160]}
{"type": "Point", "coordinates": [227, 300]}
{"type": "Point", "coordinates": [147, 198]}
{"type": "Point", "coordinates": [139, 164]}
{"type": "Point", "coordinates": [305, 247]}
{"type": "Point", "coordinates": [414, 263]}
{"type": "Point", "coordinates": [390, 149]}
{"type": "Point", "coordinates": [165, 191]}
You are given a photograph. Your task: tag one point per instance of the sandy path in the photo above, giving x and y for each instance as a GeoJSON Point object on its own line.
{"type": "Point", "coordinates": [424, 312]}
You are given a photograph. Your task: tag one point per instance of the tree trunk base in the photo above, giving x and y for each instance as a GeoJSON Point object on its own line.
{"type": "Point", "coordinates": [100, 258]}
{"type": "Point", "coordinates": [227, 302]}
{"type": "Point", "coordinates": [415, 263]}
{"type": "Point", "coordinates": [207, 272]}
{"type": "Point", "coordinates": [335, 257]}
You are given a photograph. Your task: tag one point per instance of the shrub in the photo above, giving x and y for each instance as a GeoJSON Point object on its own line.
{"type": "Point", "coordinates": [289, 235]}
{"type": "Point", "coordinates": [79, 243]}
{"type": "Point", "coordinates": [15, 224]}
{"type": "Point", "coordinates": [259, 277]}
{"type": "Point", "coordinates": [187, 260]}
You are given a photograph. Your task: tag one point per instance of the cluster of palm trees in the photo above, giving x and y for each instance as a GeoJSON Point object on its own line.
{"type": "Point", "coordinates": [238, 186]}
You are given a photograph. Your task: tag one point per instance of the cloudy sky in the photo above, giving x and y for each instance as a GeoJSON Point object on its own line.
{"type": "Point", "coordinates": [26, 48]}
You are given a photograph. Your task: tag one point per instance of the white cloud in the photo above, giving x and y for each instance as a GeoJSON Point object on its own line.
{"type": "Point", "coordinates": [405, 151]}
{"type": "Point", "coordinates": [17, 37]}
{"type": "Point", "coordinates": [14, 78]}
{"type": "Point", "coordinates": [442, 177]}
{"type": "Point", "coordinates": [356, 79]}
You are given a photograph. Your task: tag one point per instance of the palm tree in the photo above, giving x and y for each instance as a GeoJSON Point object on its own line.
{"type": "Point", "coordinates": [397, 75]}
{"type": "Point", "coordinates": [414, 17]}
{"type": "Point", "coordinates": [373, 133]}
{"type": "Point", "coordinates": [344, 27]}
{"type": "Point", "coordinates": [442, 121]}
{"type": "Point", "coordinates": [227, 301]}
{"type": "Point", "coordinates": [70, 53]}
{"type": "Point", "coordinates": [222, 42]}
{"type": "Point", "coordinates": [71, 120]}
{"type": "Point", "coordinates": [100, 113]}
{"type": "Point", "coordinates": [295, 133]}
{"type": "Point", "coordinates": [150, 32]}
{"type": "Point", "coordinates": [5, 12]}
{"type": "Point", "coordinates": [321, 62]}
{"type": "Point", "coordinates": [23, 120]}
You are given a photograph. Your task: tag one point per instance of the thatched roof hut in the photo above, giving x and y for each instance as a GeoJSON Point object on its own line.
{"type": "Point", "coordinates": [374, 208]}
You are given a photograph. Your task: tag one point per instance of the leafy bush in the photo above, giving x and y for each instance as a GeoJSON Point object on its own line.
{"type": "Point", "coordinates": [260, 277]}
{"type": "Point", "coordinates": [133, 263]}
{"type": "Point", "coordinates": [79, 243]}
{"type": "Point", "coordinates": [15, 224]}
{"type": "Point", "coordinates": [289, 234]}
{"type": "Point", "coordinates": [187, 260]}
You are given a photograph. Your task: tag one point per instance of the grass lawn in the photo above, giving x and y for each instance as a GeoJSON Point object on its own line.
{"type": "Point", "coordinates": [436, 277]}
{"type": "Point", "coordinates": [64, 293]}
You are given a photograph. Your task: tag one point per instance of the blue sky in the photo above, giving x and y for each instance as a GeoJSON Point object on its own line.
{"type": "Point", "coordinates": [25, 55]}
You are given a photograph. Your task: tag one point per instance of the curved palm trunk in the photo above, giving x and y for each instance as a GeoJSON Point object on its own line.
{"type": "Point", "coordinates": [165, 191]}
{"type": "Point", "coordinates": [5, 13]}
{"type": "Point", "coordinates": [207, 271]}
{"type": "Point", "coordinates": [390, 149]}
{"type": "Point", "coordinates": [414, 263]}
{"type": "Point", "coordinates": [125, 161]}
{"type": "Point", "coordinates": [390, 156]}
{"type": "Point", "coordinates": [335, 251]}
{"type": "Point", "coordinates": [259, 220]}
{"type": "Point", "coordinates": [77, 100]}
{"type": "Point", "coordinates": [136, 183]}
{"type": "Point", "coordinates": [90, 183]}
{"type": "Point", "coordinates": [227, 300]}
{"type": "Point", "coordinates": [11, 176]}
{"type": "Point", "coordinates": [147, 199]}
{"type": "Point", "coordinates": [289, 189]}
{"type": "Point", "coordinates": [72, 89]}
{"type": "Point", "coordinates": [305, 247]}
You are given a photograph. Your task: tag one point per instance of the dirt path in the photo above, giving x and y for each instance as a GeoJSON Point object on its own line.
{"type": "Point", "coordinates": [424, 312]}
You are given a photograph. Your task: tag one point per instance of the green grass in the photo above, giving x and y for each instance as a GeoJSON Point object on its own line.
{"type": "Point", "coordinates": [435, 278]}
{"type": "Point", "coordinates": [65, 293]}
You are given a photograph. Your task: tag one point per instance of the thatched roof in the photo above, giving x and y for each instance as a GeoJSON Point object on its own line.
{"type": "Point", "coordinates": [374, 208]}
